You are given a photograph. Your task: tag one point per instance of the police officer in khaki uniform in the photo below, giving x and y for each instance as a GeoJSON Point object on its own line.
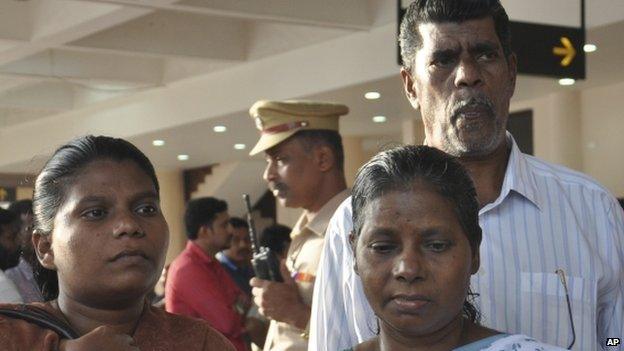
{"type": "Point", "coordinates": [305, 158]}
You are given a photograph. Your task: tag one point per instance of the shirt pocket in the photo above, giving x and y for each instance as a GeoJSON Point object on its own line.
{"type": "Point", "coordinates": [545, 296]}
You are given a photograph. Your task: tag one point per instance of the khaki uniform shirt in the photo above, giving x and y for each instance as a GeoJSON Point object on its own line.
{"type": "Point", "coordinates": [302, 261]}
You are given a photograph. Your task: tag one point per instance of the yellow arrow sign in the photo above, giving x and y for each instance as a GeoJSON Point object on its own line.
{"type": "Point", "coordinates": [567, 51]}
{"type": "Point", "coordinates": [3, 194]}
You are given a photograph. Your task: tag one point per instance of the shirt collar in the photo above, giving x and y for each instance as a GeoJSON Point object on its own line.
{"type": "Point", "coordinates": [198, 252]}
{"type": "Point", "coordinates": [318, 223]}
{"type": "Point", "coordinates": [518, 178]}
{"type": "Point", "coordinates": [226, 261]}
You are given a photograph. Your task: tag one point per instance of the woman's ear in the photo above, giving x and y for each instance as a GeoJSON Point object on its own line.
{"type": "Point", "coordinates": [43, 248]}
{"type": "Point", "coordinates": [353, 243]}
{"type": "Point", "coordinates": [476, 261]}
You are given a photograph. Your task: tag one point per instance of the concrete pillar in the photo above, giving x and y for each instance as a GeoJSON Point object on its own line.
{"type": "Point", "coordinates": [355, 157]}
{"type": "Point", "coordinates": [413, 132]}
{"type": "Point", "coordinates": [172, 204]}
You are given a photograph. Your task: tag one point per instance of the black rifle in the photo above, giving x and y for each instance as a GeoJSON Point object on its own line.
{"type": "Point", "coordinates": [264, 261]}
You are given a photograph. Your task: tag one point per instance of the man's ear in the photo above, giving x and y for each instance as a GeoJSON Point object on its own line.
{"type": "Point", "coordinates": [43, 248]}
{"type": "Point", "coordinates": [204, 232]}
{"type": "Point", "coordinates": [324, 158]}
{"type": "Point", "coordinates": [408, 88]}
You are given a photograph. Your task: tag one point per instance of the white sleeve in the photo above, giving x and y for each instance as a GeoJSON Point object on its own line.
{"type": "Point", "coordinates": [8, 291]}
{"type": "Point", "coordinates": [339, 307]}
{"type": "Point", "coordinates": [611, 302]}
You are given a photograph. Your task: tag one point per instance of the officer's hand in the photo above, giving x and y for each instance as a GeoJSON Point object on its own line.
{"type": "Point", "coordinates": [100, 338]}
{"type": "Point", "coordinates": [281, 301]}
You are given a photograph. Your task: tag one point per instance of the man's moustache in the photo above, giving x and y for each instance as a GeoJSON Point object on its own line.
{"type": "Point", "coordinates": [478, 101]}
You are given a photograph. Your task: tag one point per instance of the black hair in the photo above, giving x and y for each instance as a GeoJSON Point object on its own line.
{"type": "Point", "coordinates": [7, 216]}
{"type": "Point", "coordinates": [57, 176]}
{"type": "Point", "coordinates": [21, 207]}
{"type": "Point", "coordinates": [323, 137]}
{"type": "Point", "coordinates": [276, 238]}
{"type": "Point", "coordinates": [200, 212]}
{"type": "Point", "coordinates": [441, 11]}
{"type": "Point", "coordinates": [397, 169]}
{"type": "Point", "coordinates": [237, 222]}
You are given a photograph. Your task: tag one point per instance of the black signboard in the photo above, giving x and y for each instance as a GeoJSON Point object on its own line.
{"type": "Point", "coordinates": [545, 50]}
{"type": "Point", "coordinates": [552, 51]}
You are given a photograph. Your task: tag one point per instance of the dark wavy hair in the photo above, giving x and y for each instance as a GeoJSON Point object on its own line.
{"type": "Point", "coordinates": [397, 169]}
{"type": "Point", "coordinates": [57, 177]}
{"type": "Point", "coordinates": [441, 11]}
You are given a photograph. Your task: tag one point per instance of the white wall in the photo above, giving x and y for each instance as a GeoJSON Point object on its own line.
{"type": "Point", "coordinates": [582, 130]}
{"type": "Point", "coordinates": [602, 141]}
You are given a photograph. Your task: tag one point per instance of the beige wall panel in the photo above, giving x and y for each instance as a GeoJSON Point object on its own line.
{"type": "Point", "coordinates": [603, 136]}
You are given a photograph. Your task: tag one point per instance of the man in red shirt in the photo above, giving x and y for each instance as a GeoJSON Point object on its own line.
{"type": "Point", "coordinates": [197, 285]}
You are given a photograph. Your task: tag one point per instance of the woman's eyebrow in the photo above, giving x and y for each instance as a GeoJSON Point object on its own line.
{"type": "Point", "coordinates": [383, 231]}
{"type": "Point", "coordinates": [91, 199]}
{"type": "Point", "coordinates": [430, 232]}
{"type": "Point", "coordinates": [150, 194]}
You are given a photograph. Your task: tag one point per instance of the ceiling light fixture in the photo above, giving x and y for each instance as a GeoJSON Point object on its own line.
{"type": "Point", "coordinates": [158, 142]}
{"type": "Point", "coordinates": [183, 157]}
{"type": "Point", "coordinates": [379, 119]}
{"type": "Point", "coordinates": [590, 48]}
{"type": "Point", "coordinates": [372, 95]}
{"type": "Point", "coordinates": [240, 146]}
{"type": "Point", "coordinates": [566, 81]}
{"type": "Point", "coordinates": [219, 129]}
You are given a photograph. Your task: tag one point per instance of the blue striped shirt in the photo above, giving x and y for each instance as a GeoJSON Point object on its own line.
{"type": "Point", "coordinates": [546, 218]}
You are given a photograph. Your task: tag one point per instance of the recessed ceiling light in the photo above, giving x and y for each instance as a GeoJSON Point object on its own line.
{"type": "Point", "coordinates": [372, 95]}
{"type": "Point", "coordinates": [240, 146]}
{"type": "Point", "coordinates": [219, 129]}
{"type": "Point", "coordinates": [566, 81]}
{"type": "Point", "coordinates": [590, 48]}
{"type": "Point", "coordinates": [379, 119]}
{"type": "Point", "coordinates": [183, 157]}
{"type": "Point", "coordinates": [158, 142]}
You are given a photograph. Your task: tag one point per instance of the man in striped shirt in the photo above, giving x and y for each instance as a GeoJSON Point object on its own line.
{"type": "Point", "coordinates": [548, 232]}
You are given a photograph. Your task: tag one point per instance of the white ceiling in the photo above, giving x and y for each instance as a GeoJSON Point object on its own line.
{"type": "Point", "coordinates": [167, 69]}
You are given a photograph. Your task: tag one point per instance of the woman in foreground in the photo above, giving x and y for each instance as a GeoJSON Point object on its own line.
{"type": "Point", "coordinates": [416, 242]}
{"type": "Point", "coordinates": [100, 239]}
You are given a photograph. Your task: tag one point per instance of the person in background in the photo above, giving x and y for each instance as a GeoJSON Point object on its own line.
{"type": "Point", "coordinates": [549, 233]}
{"type": "Point", "coordinates": [236, 259]}
{"type": "Point", "coordinates": [305, 169]}
{"type": "Point", "coordinates": [9, 239]}
{"type": "Point", "coordinates": [100, 240]}
{"type": "Point", "coordinates": [22, 275]}
{"type": "Point", "coordinates": [197, 285]}
{"type": "Point", "coordinates": [416, 273]}
{"type": "Point", "coordinates": [277, 238]}
{"type": "Point", "coordinates": [9, 254]}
